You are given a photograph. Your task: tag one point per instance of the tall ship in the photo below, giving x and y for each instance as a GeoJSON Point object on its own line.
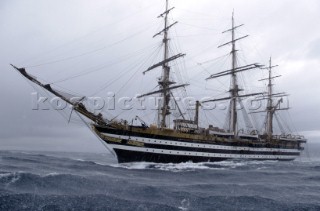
{"type": "Point", "coordinates": [183, 139]}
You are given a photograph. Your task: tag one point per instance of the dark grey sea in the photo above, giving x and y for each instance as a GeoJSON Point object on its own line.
{"type": "Point", "coordinates": [90, 181]}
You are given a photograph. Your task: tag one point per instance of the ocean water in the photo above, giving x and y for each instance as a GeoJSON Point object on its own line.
{"type": "Point", "coordinates": [90, 181]}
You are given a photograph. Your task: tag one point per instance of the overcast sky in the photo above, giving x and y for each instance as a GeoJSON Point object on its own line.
{"type": "Point", "coordinates": [60, 39]}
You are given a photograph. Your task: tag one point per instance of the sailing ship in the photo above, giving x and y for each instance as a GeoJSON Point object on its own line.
{"type": "Point", "coordinates": [187, 140]}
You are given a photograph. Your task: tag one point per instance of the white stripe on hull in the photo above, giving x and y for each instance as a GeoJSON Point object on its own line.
{"type": "Point", "coordinates": [197, 145]}
{"type": "Point", "coordinates": [202, 154]}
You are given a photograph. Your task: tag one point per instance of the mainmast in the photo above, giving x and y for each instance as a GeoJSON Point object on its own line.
{"type": "Point", "coordinates": [234, 87]}
{"type": "Point", "coordinates": [234, 91]}
{"type": "Point", "coordinates": [164, 82]}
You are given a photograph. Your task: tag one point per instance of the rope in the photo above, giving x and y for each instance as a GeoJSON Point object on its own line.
{"type": "Point", "coordinates": [103, 142]}
{"type": "Point", "coordinates": [89, 52]}
{"type": "Point", "coordinates": [92, 32]}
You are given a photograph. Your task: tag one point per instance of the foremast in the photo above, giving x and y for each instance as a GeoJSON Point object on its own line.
{"type": "Point", "coordinates": [234, 87]}
{"type": "Point", "coordinates": [164, 82]}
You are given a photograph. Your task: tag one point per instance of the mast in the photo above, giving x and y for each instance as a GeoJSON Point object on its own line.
{"type": "Point", "coordinates": [269, 126]}
{"type": "Point", "coordinates": [234, 87]}
{"type": "Point", "coordinates": [164, 82]}
{"type": "Point", "coordinates": [272, 107]}
{"type": "Point", "coordinates": [234, 91]}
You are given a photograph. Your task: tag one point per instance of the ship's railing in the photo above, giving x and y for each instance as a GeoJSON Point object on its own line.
{"type": "Point", "coordinates": [289, 137]}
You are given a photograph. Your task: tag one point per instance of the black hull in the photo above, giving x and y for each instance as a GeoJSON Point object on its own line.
{"type": "Point", "coordinates": [140, 148]}
{"type": "Point", "coordinates": [126, 156]}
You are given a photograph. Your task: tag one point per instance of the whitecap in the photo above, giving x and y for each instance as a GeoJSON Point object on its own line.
{"type": "Point", "coordinates": [174, 167]}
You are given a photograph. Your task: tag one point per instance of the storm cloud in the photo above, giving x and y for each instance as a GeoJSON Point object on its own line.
{"type": "Point", "coordinates": [55, 40]}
